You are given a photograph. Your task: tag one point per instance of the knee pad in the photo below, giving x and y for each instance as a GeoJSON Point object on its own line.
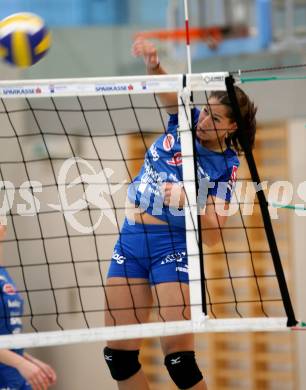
{"type": "Point", "coordinates": [183, 369]}
{"type": "Point", "coordinates": [121, 363]}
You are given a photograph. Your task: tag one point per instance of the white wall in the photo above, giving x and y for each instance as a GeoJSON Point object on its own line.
{"type": "Point", "coordinates": [8, 72]}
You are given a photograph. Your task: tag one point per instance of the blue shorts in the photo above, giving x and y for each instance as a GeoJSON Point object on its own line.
{"type": "Point", "coordinates": [157, 253]}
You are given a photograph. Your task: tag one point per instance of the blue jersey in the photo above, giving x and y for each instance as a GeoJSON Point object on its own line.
{"type": "Point", "coordinates": [163, 163]}
{"type": "Point", "coordinates": [11, 310]}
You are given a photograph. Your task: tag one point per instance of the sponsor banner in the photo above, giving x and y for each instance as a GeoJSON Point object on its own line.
{"type": "Point", "coordinates": [113, 87]}
{"type": "Point", "coordinates": [94, 88]}
{"type": "Point", "coordinates": [136, 86]}
{"type": "Point", "coordinates": [47, 90]}
{"type": "Point", "coordinates": [70, 89]}
{"type": "Point", "coordinates": [160, 86]}
{"type": "Point", "coordinates": [213, 78]}
{"type": "Point", "coordinates": [20, 91]}
{"type": "Point", "coordinates": [208, 81]}
{"type": "Point", "coordinates": [214, 81]}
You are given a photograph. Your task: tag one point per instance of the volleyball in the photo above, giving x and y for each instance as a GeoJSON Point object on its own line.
{"type": "Point", "coordinates": [24, 39]}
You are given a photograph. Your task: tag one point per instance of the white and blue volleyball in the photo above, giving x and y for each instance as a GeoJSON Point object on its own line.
{"type": "Point", "coordinates": [24, 39]}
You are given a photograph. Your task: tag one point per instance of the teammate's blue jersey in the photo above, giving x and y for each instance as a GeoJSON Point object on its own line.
{"type": "Point", "coordinates": [11, 310]}
{"type": "Point", "coordinates": [163, 163]}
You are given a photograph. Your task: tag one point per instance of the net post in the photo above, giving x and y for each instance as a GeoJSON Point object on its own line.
{"type": "Point", "coordinates": [196, 279]}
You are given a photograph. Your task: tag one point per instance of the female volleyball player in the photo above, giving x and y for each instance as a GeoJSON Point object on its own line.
{"type": "Point", "coordinates": [18, 369]}
{"type": "Point", "coordinates": [149, 262]}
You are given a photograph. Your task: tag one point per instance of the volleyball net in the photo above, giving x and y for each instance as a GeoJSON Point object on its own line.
{"type": "Point", "coordinates": [68, 151]}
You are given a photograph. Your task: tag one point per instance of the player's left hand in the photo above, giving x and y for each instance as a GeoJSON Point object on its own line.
{"type": "Point", "coordinates": [174, 195]}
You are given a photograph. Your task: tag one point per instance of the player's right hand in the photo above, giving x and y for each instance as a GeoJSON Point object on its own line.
{"type": "Point", "coordinates": [34, 375]}
{"type": "Point", "coordinates": [174, 194]}
{"type": "Point", "coordinates": [147, 50]}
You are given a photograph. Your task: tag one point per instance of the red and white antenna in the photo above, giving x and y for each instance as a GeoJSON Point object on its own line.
{"type": "Point", "coordinates": [187, 37]}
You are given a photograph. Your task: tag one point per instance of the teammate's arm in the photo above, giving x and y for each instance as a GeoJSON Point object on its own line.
{"type": "Point", "coordinates": [36, 377]}
{"type": "Point", "coordinates": [48, 370]}
{"type": "Point", "coordinates": [147, 50]}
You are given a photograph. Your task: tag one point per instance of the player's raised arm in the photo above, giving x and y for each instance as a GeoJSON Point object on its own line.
{"type": "Point", "coordinates": [147, 50]}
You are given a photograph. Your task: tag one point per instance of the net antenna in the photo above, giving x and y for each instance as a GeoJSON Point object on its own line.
{"type": "Point", "coordinates": [83, 130]}
{"type": "Point", "coordinates": [187, 36]}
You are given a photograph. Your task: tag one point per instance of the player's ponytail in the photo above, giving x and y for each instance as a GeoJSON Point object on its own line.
{"type": "Point", "coordinates": [248, 114]}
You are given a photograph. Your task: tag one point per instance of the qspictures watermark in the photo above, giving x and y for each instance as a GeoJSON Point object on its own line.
{"type": "Point", "coordinates": [97, 191]}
